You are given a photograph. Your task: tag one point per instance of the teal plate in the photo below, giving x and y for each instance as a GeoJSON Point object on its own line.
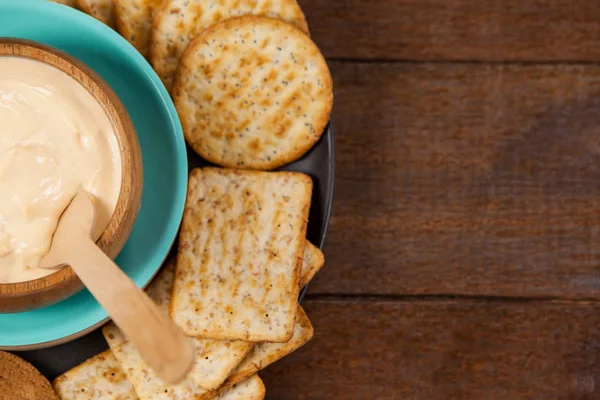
{"type": "Point", "coordinates": [163, 154]}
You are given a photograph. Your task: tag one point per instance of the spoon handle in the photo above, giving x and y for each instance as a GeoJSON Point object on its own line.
{"type": "Point", "coordinates": [154, 335]}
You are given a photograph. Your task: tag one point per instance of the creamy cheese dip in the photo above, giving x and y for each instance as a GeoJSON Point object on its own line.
{"type": "Point", "coordinates": [55, 139]}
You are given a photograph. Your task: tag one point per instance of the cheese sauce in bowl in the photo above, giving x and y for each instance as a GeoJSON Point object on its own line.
{"type": "Point", "coordinates": [62, 129]}
{"type": "Point", "coordinates": [55, 139]}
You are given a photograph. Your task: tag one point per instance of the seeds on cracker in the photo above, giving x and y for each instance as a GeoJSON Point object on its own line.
{"type": "Point", "coordinates": [214, 360]}
{"type": "Point", "coordinates": [102, 10]}
{"type": "Point", "coordinates": [100, 377]}
{"type": "Point", "coordinates": [252, 93]}
{"type": "Point", "coordinates": [177, 22]}
{"type": "Point", "coordinates": [134, 21]}
{"type": "Point", "coordinates": [240, 254]}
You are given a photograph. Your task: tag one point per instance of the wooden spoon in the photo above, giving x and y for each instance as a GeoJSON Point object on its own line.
{"type": "Point", "coordinates": [160, 342]}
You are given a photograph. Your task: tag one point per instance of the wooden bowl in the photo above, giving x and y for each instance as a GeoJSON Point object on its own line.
{"type": "Point", "coordinates": [24, 296]}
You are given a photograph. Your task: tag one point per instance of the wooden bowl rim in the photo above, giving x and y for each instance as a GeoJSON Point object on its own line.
{"type": "Point", "coordinates": [129, 200]}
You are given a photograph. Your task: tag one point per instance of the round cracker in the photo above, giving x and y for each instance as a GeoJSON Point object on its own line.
{"type": "Point", "coordinates": [102, 10]}
{"type": "Point", "coordinates": [177, 22]}
{"type": "Point", "coordinates": [252, 92]}
{"type": "Point", "coordinates": [134, 21]}
{"type": "Point", "coordinates": [19, 380]}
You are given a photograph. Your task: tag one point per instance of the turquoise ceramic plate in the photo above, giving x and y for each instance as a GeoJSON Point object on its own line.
{"type": "Point", "coordinates": [163, 153]}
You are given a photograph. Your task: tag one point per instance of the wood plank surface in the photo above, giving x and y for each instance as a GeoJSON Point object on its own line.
{"type": "Point", "coordinates": [466, 179]}
{"type": "Point", "coordinates": [467, 204]}
{"type": "Point", "coordinates": [447, 30]}
{"type": "Point", "coordinates": [443, 350]}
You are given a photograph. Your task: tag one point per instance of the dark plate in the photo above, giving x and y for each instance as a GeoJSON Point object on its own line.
{"type": "Point", "coordinates": [318, 163]}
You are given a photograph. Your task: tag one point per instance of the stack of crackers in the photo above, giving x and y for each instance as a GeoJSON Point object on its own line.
{"type": "Point", "coordinates": [253, 93]}
{"type": "Point", "coordinates": [232, 287]}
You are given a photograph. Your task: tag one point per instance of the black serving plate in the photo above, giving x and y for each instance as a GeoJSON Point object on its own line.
{"type": "Point", "coordinates": [318, 163]}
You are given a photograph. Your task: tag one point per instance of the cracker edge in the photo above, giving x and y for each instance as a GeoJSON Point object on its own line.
{"type": "Point", "coordinates": [314, 268]}
{"type": "Point", "coordinates": [246, 373]}
{"type": "Point", "coordinates": [262, 391]}
{"type": "Point", "coordinates": [158, 15]}
{"type": "Point", "coordinates": [123, 29]}
{"type": "Point", "coordinates": [63, 377]}
{"type": "Point", "coordinates": [83, 7]}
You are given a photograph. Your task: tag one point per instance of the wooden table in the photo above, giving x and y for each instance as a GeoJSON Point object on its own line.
{"type": "Point", "coordinates": [463, 256]}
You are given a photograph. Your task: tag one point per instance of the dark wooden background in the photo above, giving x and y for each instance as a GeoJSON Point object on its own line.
{"type": "Point", "coordinates": [463, 256]}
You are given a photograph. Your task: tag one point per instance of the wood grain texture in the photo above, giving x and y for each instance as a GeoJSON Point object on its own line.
{"type": "Point", "coordinates": [443, 350]}
{"type": "Point", "coordinates": [36, 293]}
{"type": "Point", "coordinates": [446, 30]}
{"type": "Point", "coordinates": [465, 179]}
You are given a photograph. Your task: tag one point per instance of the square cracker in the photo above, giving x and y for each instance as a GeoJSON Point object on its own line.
{"type": "Point", "coordinates": [240, 251]}
{"type": "Point", "coordinates": [99, 378]}
{"type": "Point", "coordinates": [214, 361]}
{"type": "Point", "coordinates": [264, 354]}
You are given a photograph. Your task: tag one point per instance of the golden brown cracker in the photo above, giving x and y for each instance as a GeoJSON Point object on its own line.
{"type": "Point", "coordinates": [240, 254]}
{"type": "Point", "coordinates": [252, 93]}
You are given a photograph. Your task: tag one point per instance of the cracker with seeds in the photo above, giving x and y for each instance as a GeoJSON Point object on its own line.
{"type": "Point", "coordinates": [265, 354]}
{"type": "Point", "coordinates": [252, 93]}
{"type": "Point", "coordinates": [252, 388]}
{"type": "Point", "coordinates": [177, 22]}
{"type": "Point", "coordinates": [240, 254]}
{"type": "Point", "coordinates": [99, 378]}
{"type": "Point", "coordinates": [102, 10]}
{"type": "Point", "coordinates": [214, 361]}
{"type": "Point", "coordinates": [134, 21]}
